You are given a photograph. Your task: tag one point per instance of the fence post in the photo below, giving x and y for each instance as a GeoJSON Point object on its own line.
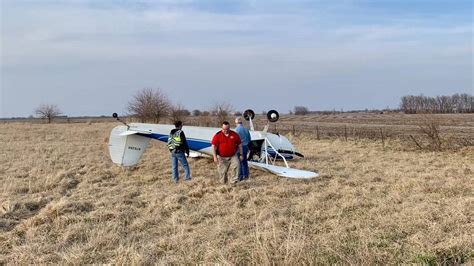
{"type": "Point", "coordinates": [383, 137]}
{"type": "Point", "coordinates": [294, 130]}
{"type": "Point", "coordinates": [317, 132]}
{"type": "Point", "coordinates": [345, 132]}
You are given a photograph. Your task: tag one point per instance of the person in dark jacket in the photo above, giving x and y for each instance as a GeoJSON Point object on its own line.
{"type": "Point", "coordinates": [179, 149]}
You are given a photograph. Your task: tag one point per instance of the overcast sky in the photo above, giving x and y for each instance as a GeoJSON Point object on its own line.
{"type": "Point", "coordinates": [90, 57]}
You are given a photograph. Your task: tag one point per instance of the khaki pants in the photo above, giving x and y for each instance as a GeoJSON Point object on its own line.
{"type": "Point", "coordinates": [226, 164]}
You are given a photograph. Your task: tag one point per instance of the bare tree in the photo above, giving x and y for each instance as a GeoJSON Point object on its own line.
{"type": "Point", "coordinates": [221, 111]}
{"type": "Point", "coordinates": [185, 112]}
{"type": "Point", "coordinates": [301, 110]}
{"type": "Point", "coordinates": [197, 112]}
{"type": "Point", "coordinates": [466, 103]}
{"type": "Point", "coordinates": [149, 105]}
{"type": "Point", "coordinates": [205, 119]}
{"type": "Point", "coordinates": [178, 112]}
{"type": "Point", "coordinates": [48, 111]}
{"type": "Point", "coordinates": [429, 129]}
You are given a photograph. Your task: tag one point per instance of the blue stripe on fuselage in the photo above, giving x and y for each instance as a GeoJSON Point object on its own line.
{"type": "Point", "coordinates": [194, 144]}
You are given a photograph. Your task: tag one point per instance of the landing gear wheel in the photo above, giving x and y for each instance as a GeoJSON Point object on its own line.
{"type": "Point", "coordinates": [273, 116]}
{"type": "Point", "coordinates": [249, 114]}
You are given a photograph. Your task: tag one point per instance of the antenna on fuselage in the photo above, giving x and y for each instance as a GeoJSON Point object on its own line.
{"type": "Point", "coordinates": [115, 115]}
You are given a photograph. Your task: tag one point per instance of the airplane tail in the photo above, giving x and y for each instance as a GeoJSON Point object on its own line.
{"type": "Point", "coordinates": [125, 147]}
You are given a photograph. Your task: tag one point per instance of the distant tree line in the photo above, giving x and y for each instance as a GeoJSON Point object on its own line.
{"type": "Point", "coordinates": [152, 105]}
{"type": "Point", "coordinates": [457, 103]}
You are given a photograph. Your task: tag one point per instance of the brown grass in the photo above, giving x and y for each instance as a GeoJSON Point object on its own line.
{"type": "Point", "coordinates": [63, 201]}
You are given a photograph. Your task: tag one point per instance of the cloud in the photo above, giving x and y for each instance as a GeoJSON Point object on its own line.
{"type": "Point", "coordinates": [252, 47]}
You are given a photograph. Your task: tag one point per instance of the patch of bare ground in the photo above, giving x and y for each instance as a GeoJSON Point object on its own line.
{"type": "Point", "coordinates": [63, 201]}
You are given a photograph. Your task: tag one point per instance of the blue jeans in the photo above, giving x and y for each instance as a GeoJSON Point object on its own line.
{"type": "Point", "coordinates": [244, 165]}
{"type": "Point", "coordinates": [175, 156]}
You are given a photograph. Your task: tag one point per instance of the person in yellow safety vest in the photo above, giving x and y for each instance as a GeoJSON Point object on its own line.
{"type": "Point", "coordinates": [179, 149]}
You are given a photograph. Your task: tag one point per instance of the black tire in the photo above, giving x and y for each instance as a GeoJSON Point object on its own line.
{"type": "Point", "coordinates": [273, 116]}
{"type": "Point", "coordinates": [249, 114]}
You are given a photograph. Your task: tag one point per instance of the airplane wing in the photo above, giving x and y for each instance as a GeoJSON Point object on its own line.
{"type": "Point", "coordinates": [196, 154]}
{"type": "Point", "coordinates": [284, 171]}
{"type": "Point", "coordinates": [132, 132]}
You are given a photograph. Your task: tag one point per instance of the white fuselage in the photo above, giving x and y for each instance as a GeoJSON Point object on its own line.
{"type": "Point", "coordinates": [199, 138]}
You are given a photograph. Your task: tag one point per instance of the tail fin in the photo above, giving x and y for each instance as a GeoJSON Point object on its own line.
{"type": "Point", "coordinates": [126, 150]}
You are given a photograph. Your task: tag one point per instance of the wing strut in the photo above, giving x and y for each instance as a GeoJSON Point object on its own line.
{"type": "Point", "coordinates": [268, 165]}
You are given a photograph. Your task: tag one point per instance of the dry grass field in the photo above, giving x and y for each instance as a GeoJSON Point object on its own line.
{"type": "Point", "coordinates": [64, 201]}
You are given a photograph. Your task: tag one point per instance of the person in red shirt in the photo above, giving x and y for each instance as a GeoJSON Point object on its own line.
{"type": "Point", "coordinates": [225, 145]}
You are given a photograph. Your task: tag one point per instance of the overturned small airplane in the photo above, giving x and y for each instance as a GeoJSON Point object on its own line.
{"type": "Point", "coordinates": [128, 142]}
